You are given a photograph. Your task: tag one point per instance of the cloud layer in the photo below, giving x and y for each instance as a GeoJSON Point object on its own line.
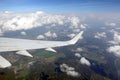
{"type": "Point", "coordinates": [25, 21]}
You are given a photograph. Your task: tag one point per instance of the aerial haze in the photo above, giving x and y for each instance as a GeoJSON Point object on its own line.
{"type": "Point", "coordinates": [33, 32]}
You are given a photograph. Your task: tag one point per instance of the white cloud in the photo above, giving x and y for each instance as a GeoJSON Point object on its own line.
{"type": "Point", "coordinates": [71, 35]}
{"type": "Point", "coordinates": [110, 24]}
{"type": "Point", "coordinates": [69, 70]}
{"type": "Point", "coordinates": [18, 23]}
{"type": "Point", "coordinates": [50, 34]}
{"type": "Point", "coordinates": [74, 22]}
{"type": "Point", "coordinates": [39, 12]}
{"type": "Point", "coordinates": [115, 44]}
{"type": "Point", "coordinates": [54, 35]}
{"type": "Point", "coordinates": [79, 49]}
{"type": "Point", "coordinates": [115, 50]}
{"type": "Point", "coordinates": [116, 38]}
{"type": "Point", "coordinates": [100, 35]}
{"type": "Point", "coordinates": [65, 67]}
{"type": "Point", "coordinates": [83, 26]}
{"type": "Point", "coordinates": [77, 55]}
{"type": "Point", "coordinates": [40, 37]}
{"type": "Point", "coordinates": [25, 21]}
{"type": "Point", "coordinates": [73, 73]}
{"type": "Point", "coordinates": [84, 61]}
{"type": "Point", "coordinates": [23, 33]}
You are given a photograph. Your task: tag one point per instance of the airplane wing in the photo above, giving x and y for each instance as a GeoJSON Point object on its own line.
{"type": "Point", "coordinates": [21, 45]}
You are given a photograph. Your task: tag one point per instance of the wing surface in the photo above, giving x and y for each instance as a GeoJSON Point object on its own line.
{"type": "Point", "coordinates": [22, 45]}
{"type": "Point", "coordinates": [11, 44]}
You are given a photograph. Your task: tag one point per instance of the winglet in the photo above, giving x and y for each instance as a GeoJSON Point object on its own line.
{"type": "Point", "coordinates": [76, 38]}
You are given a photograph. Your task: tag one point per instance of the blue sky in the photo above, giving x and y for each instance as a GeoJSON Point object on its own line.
{"type": "Point", "coordinates": [73, 6]}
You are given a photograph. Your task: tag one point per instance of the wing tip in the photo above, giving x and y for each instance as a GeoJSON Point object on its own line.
{"type": "Point", "coordinates": [76, 38]}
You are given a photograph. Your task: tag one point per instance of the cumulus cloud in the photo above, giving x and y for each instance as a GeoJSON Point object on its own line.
{"type": "Point", "coordinates": [77, 55]}
{"type": "Point", "coordinates": [18, 23]}
{"type": "Point", "coordinates": [115, 50]}
{"type": "Point", "coordinates": [116, 38]}
{"type": "Point", "coordinates": [110, 24]}
{"type": "Point", "coordinates": [25, 21]}
{"type": "Point", "coordinates": [73, 73]}
{"type": "Point", "coordinates": [74, 22]}
{"type": "Point", "coordinates": [54, 35]}
{"type": "Point", "coordinates": [79, 49]}
{"type": "Point", "coordinates": [83, 26]}
{"type": "Point", "coordinates": [69, 70]}
{"type": "Point", "coordinates": [100, 35]}
{"type": "Point", "coordinates": [65, 67]}
{"type": "Point", "coordinates": [84, 61]}
{"type": "Point", "coordinates": [23, 33]}
{"type": "Point", "coordinates": [115, 44]}
{"type": "Point", "coordinates": [50, 34]}
{"type": "Point", "coordinates": [40, 37]}
{"type": "Point", "coordinates": [71, 35]}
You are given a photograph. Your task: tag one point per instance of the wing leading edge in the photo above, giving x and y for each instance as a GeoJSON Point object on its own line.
{"type": "Point", "coordinates": [11, 44]}
{"type": "Point", "coordinates": [21, 45]}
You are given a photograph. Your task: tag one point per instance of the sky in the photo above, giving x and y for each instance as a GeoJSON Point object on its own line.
{"type": "Point", "coordinates": [60, 5]}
